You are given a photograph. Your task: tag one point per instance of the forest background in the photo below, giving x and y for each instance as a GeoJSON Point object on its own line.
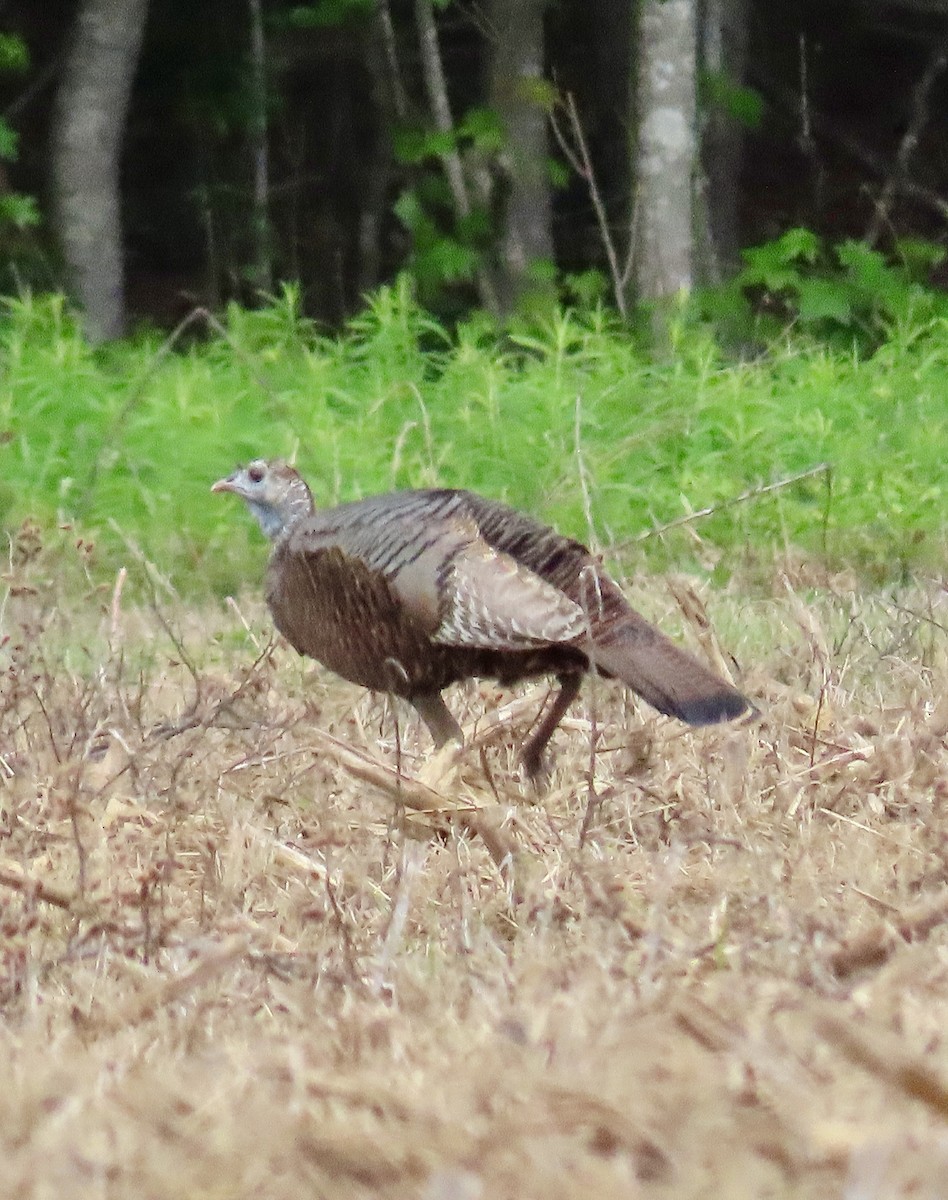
{"type": "Point", "coordinates": [699, 243]}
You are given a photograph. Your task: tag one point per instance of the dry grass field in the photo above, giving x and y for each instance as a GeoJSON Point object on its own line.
{"type": "Point", "coordinates": [255, 944]}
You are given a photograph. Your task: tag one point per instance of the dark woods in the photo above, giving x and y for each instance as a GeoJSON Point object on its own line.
{"type": "Point", "coordinates": [502, 152]}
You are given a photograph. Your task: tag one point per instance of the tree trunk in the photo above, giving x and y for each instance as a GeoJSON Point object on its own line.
{"type": "Point", "coordinates": [723, 53]}
{"type": "Point", "coordinates": [515, 77]}
{"type": "Point", "coordinates": [262, 264]}
{"type": "Point", "coordinates": [437, 88]}
{"type": "Point", "coordinates": [666, 149]}
{"type": "Point", "coordinates": [390, 106]}
{"type": "Point", "coordinates": [91, 109]}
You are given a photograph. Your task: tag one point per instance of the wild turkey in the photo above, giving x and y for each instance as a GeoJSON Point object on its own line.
{"type": "Point", "coordinates": [412, 591]}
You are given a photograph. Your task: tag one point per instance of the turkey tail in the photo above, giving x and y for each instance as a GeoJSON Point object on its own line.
{"type": "Point", "coordinates": [665, 676]}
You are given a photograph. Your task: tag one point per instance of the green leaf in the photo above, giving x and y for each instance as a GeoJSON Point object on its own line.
{"type": "Point", "coordinates": [918, 256]}
{"type": "Point", "coordinates": [483, 126]}
{"type": "Point", "coordinates": [536, 90]}
{"type": "Point", "coordinates": [773, 278]}
{"type": "Point", "coordinates": [9, 141]}
{"type": "Point", "coordinates": [441, 143]}
{"type": "Point", "coordinates": [434, 192]}
{"type": "Point", "coordinates": [796, 244]}
{"type": "Point", "coordinates": [868, 269]}
{"type": "Point", "coordinates": [19, 210]}
{"type": "Point", "coordinates": [327, 13]}
{"type": "Point", "coordinates": [476, 226]}
{"type": "Point", "coordinates": [777, 264]}
{"type": "Point", "coordinates": [860, 257]}
{"type": "Point", "coordinates": [449, 261]}
{"type": "Point", "coordinates": [824, 300]}
{"type": "Point", "coordinates": [586, 288]}
{"type": "Point", "coordinates": [557, 173]}
{"type": "Point", "coordinates": [14, 53]}
{"type": "Point", "coordinates": [744, 104]}
{"type": "Point", "coordinates": [408, 145]}
{"type": "Point", "coordinates": [727, 305]}
{"type": "Point", "coordinates": [412, 145]}
{"type": "Point", "coordinates": [542, 270]}
{"type": "Point", "coordinates": [409, 211]}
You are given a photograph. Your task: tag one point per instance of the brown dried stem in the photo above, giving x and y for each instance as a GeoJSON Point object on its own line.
{"type": "Point", "coordinates": [578, 156]}
{"type": "Point", "coordinates": [420, 797]}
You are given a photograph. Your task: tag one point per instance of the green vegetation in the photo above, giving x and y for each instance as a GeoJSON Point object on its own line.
{"type": "Point", "coordinates": [121, 444]}
{"type": "Point", "coordinates": [19, 213]}
{"type": "Point", "coordinates": [845, 293]}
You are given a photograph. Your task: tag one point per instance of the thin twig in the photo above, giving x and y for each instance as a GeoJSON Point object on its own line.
{"type": "Point", "coordinates": [420, 797]}
{"type": "Point", "coordinates": [579, 158]}
{"type": "Point", "coordinates": [437, 88]}
{"type": "Point", "coordinates": [342, 925]}
{"type": "Point", "coordinates": [785, 100]}
{"type": "Point", "coordinates": [152, 576]}
{"type": "Point", "coordinates": [920, 98]}
{"type": "Point", "coordinates": [408, 868]}
{"type": "Point", "coordinates": [821, 699]}
{"type": "Point", "coordinates": [13, 876]}
{"type": "Point", "coordinates": [43, 78]}
{"type": "Point", "coordinates": [752, 494]}
{"type": "Point", "coordinates": [589, 572]}
{"type": "Point", "coordinates": [192, 719]}
{"type": "Point", "coordinates": [805, 139]}
{"type": "Point", "coordinates": [173, 989]}
{"type": "Point", "coordinates": [876, 945]}
{"type": "Point", "coordinates": [387, 38]}
{"type": "Point", "coordinates": [82, 854]}
{"type": "Point", "coordinates": [883, 1055]}
{"type": "Point", "coordinates": [581, 469]}
{"type": "Point", "coordinates": [235, 608]}
{"type": "Point", "coordinates": [115, 621]}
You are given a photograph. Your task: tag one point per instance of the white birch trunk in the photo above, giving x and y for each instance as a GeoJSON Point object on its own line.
{"type": "Point", "coordinates": [667, 148]}
{"type": "Point", "coordinates": [517, 63]}
{"type": "Point", "coordinates": [89, 126]}
{"type": "Point", "coordinates": [260, 154]}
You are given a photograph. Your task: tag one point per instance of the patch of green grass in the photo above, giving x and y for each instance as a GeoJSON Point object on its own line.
{"type": "Point", "coordinates": [124, 442]}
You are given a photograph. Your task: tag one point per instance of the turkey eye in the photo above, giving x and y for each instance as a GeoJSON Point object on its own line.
{"type": "Point", "coordinates": [256, 474]}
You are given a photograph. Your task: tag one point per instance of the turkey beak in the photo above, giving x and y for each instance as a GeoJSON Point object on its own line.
{"type": "Point", "coordinates": [224, 485]}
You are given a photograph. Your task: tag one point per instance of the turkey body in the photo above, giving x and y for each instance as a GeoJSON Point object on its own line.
{"type": "Point", "coordinates": [338, 583]}
{"type": "Point", "coordinates": [410, 592]}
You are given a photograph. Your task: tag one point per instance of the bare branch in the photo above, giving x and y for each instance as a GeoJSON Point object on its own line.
{"type": "Point", "coordinates": [437, 89]}
{"type": "Point", "coordinates": [578, 156]}
{"type": "Point", "coordinates": [881, 1054]}
{"type": "Point", "coordinates": [12, 875]}
{"type": "Point", "coordinates": [396, 86]}
{"type": "Point", "coordinates": [752, 494]}
{"type": "Point", "coordinates": [259, 152]}
{"type": "Point", "coordinates": [419, 796]}
{"type": "Point", "coordinates": [920, 97]}
{"type": "Point", "coordinates": [175, 987]}
{"type": "Point", "coordinates": [858, 151]}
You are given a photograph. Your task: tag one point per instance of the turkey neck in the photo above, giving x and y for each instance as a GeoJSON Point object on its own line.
{"type": "Point", "coordinates": [276, 519]}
